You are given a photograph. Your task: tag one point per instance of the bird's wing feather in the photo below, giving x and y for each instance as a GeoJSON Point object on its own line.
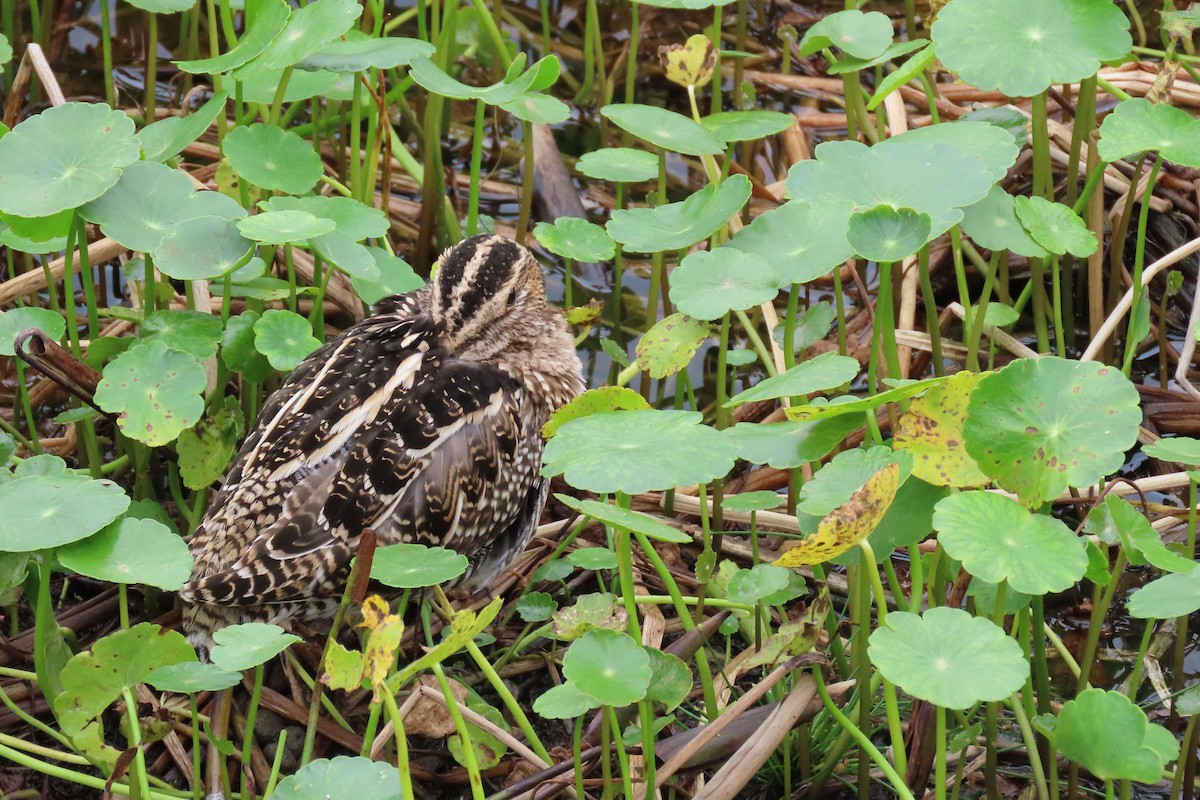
{"type": "Point", "coordinates": [414, 452]}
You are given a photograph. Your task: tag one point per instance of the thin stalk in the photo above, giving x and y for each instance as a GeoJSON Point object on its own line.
{"type": "Point", "coordinates": [151, 77]}
{"type": "Point", "coordinates": [135, 740]}
{"type": "Point", "coordinates": [861, 738]}
{"type": "Point", "coordinates": [476, 166]}
{"type": "Point", "coordinates": [1139, 260]}
{"type": "Point", "coordinates": [397, 720]}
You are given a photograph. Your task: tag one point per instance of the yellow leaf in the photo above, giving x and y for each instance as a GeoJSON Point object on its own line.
{"type": "Point", "coordinates": [606, 398]}
{"type": "Point", "coordinates": [379, 655]}
{"type": "Point", "coordinates": [848, 524]}
{"type": "Point", "coordinates": [343, 668]}
{"type": "Point", "coordinates": [585, 315]}
{"type": "Point", "coordinates": [690, 63]}
{"type": "Point", "coordinates": [932, 430]}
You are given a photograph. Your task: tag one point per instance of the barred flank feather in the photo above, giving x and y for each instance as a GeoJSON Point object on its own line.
{"type": "Point", "coordinates": [421, 422]}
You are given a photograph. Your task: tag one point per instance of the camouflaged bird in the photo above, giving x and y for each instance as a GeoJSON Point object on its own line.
{"type": "Point", "coordinates": [422, 422]}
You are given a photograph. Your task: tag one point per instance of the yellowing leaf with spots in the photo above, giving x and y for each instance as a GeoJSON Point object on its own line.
{"type": "Point", "coordinates": [848, 524]}
{"type": "Point", "coordinates": [379, 656]}
{"type": "Point", "coordinates": [932, 430]}
{"type": "Point", "coordinates": [690, 63]}
{"type": "Point", "coordinates": [343, 668]}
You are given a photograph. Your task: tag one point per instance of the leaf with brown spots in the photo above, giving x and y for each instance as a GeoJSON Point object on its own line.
{"type": "Point", "coordinates": [848, 524]}
{"type": "Point", "coordinates": [932, 430]}
{"type": "Point", "coordinates": [379, 655]}
{"type": "Point", "coordinates": [669, 346]}
{"type": "Point", "coordinates": [606, 398]}
{"type": "Point", "coordinates": [1038, 427]}
{"type": "Point", "coordinates": [690, 63]}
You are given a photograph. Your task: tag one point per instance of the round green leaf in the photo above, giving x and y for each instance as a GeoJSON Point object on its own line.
{"type": "Point", "coordinates": [861, 35]}
{"type": "Point", "coordinates": [625, 518]}
{"type": "Point", "coordinates": [539, 108]}
{"type": "Point", "coordinates": [708, 284]}
{"type": "Point", "coordinates": [43, 511]}
{"type": "Point", "coordinates": [800, 240]}
{"type": "Point", "coordinates": [167, 137]}
{"type": "Point", "coordinates": [993, 223]}
{"type": "Point", "coordinates": [360, 52]}
{"type": "Point", "coordinates": [1055, 226]}
{"type": "Point", "coordinates": [948, 657]}
{"type": "Point", "coordinates": [156, 390]}
{"type": "Point", "coordinates": [787, 445]}
{"type": "Point", "coordinates": [637, 451]}
{"type": "Point", "coordinates": [395, 277]}
{"type": "Point", "coordinates": [264, 26]}
{"type": "Point", "coordinates": [344, 776]}
{"type": "Point", "coordinates": [608, 666]}
{"type": "Point", "coordinates": [1174, 595]}
{"type": "Point", "coordinates": [414, 566]}
{"type": "Point", "coordinates": [132, 551]}
{"type": "Point", "coordinates": [745, 126]}
{"type": "Point", "coordinates": [13, 322]}
{"type": "Point", "coordinates": [1112, 738]}
{"type": "Point", "coordinates": [354, 219]}
{"type": "Point", "coordinates": [668, 347]}
{"type": "Point", "coordinates": [991, 144]}
{"type": "Point", "coordinates": [163, 6]}
{"type": "Point", "coordinates": [752, 501]}
{"type": "Point", "coordinates": [834, 484]}
{"type": "Point", "coordinates": [6, 50]}
{"type": "Point", "coordinates": [344, 253]}
{"type": "Point", "coordinates": [669, 130]}
{"type": "Point", "coordinates": [1006, 118]}
{"type": "Point", "coordinates": [997, 539]}
{"type": "Point", "coordinates": [240, 647]}
{"type": "Point", "coordinates": [192, 676]}
{"type": "Point", "coordinates": [308, 30]}
{"type": "Point", "coordinates": [670, 681]}
{"type": "Point", "coordinates": [92, 680]}
{"type": "Point", "coordinates": [1029, 44]}
{"type": "Point", "coordinates": [618, 164]}
{"type": "Point", "coordinates": [285, 338]}
{"type": "Point", "coordinates": [575, 238]}
{"type": "Point", "coordinates": [1137, 125]}
{"type": "Point", "coordinates": [536, 607]}
{"type": "Point", "coordinates": [565, 701]}
{"type": "Point", "coordinates": [282, 227]}
{"type": "Point", "coordinates": [1117, 520]}
{"type": "Point", "coordinates": [64, 157]}
{"type": "Point", "coordinates": [1039, 426]}
{"type": "Point", "coordinates": [758, 582]}
{"type": "Point", "coordinates": [201, 248]}
{"type": "Point", "coordinates": [145, 204]}
{"type": "Point", "coordinates": [272, 157]}
{"type": "Point", "coordinates": [931, 177]}
{"type": "Point", "coordinates": [674, 226]}
{"type": "Point", "coordinates": [1180, 449]}
{"type": "Point", "coordinates": [237, 348]}
{"type": "Point", "coordinates": [593, 558]}
{"type": "Point", "coordinates": [887, 234]}
{"type": "Point", "coordinates": [191, 332]}
{"type": "Point", "coordinates": [827, 371]}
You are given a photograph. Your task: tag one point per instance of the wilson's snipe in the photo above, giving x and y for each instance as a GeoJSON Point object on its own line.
{"type": "Point", "coordinates": [421, 423]}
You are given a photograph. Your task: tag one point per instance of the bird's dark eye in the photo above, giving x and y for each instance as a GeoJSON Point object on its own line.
{"type": "Point", "coordinates": [512, 298]}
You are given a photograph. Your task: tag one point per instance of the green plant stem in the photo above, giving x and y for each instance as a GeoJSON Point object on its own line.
{"type": "Point", "coordinates": [31, 720]}
{"type": "Point", "coordinates": [397, 720]}
{"type": "Point", "coordinates": [756, 342]}
{"type": "Point", "coordinates": [81, 778]}
{"type": "Point", "coordinates": [614, 726]}
{"type": "Point", "coordinates": [151, 76]}
{"type": "Point", "coordinates": [624, 551]}
{"type": "Point", "coordinates": [248, 736]}
{"type": "Point", "coordinates": [1139, 259]}
{"type": "Point", "coordinates": [526, 182]}
{"type": "Point", "coordinates": [861, 738]}
{"type": "Point", "coordinates": [1100, 605]}
{"type": "Point", "coordinates": [932, 327]}
{"type": "Point", "coordinates": [476, 165]}
{"type": "Point", "coordinates": [1035, 761]}
{"type": "Point", "coordinates": [135, 741]}
{"type": "Point", "coordinates": [510, 702]}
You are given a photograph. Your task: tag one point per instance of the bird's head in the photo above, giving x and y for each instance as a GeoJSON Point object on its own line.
{"type": "Point", "coordinates": [488, 294]}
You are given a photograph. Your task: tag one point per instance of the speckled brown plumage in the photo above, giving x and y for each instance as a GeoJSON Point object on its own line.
{"type": "Point", "coordinates": [421, 422]}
